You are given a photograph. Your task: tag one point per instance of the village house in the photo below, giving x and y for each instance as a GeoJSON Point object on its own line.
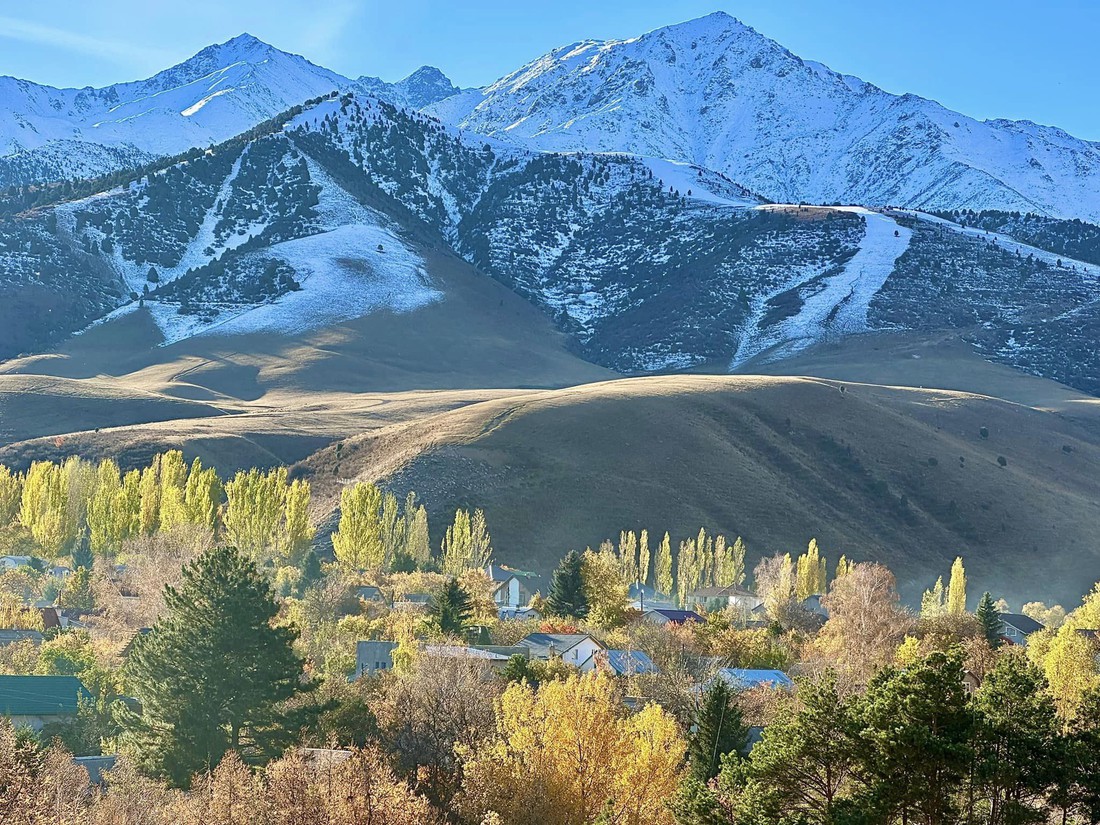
{"type": "Point", "coordinates": [9, 636]}
{"type": "Point", "coordinates": [717, 598]}
{"type": "Point", "coordinates": [741, 679]}
{"type": "Point", "coordinates": [508, 590]}
{"type": "Point", "coordinates": [496, 656]}
{"type": "Point", "coordinates": [643, 597]}
{"type": "Point", "coordinates": [1016, 628]}
{"type": "Point", "coordinates": [619, 662]}
{"type": "Point", "coordinates": [663, 616]}
{"type": "Point", "coordinates": [518, 614]}
{"type": "Point", "coordinates": [413, 602]}
{"type": "Point", "coordinates": [572, 648]}
{"type": "Point", "coordinates": [34, 701]}
{"type": "Point", "coordinates": [373, 657]}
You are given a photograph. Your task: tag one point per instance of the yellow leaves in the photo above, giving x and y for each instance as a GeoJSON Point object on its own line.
{"type": "Point", "coordinates": [357, 541]}
{"type": "Point", "coordinates": [568, 752]}
{"type": "Point", "coordinates": [604, 588]}
{"type": "Point", "coordinates": [1068, 660]}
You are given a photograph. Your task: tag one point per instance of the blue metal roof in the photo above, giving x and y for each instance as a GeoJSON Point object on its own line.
{"type": "Point", "coordinates": [41, 695]}
{"type": "Point", "coordinates": [748, 678]}
{"type": "Point", "coordinates": [630, 662]}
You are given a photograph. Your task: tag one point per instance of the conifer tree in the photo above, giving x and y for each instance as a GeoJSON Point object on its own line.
{"type": "Point", "coordinates": [662, 573]}
{"type": "Point", "coordinates": [567, 597]}
{"type": "Point", "coordinates": [212, 671]}
{"type": "Point", "coordinates": [990, 619]}
{"type": "Point", "coordinates": [451, 609]}
{"type": "Point", "coordinates": [956, 589]}
{"type": "Point", "coordinates": [718, 730]}
{"type": "Point", "coordinates": [357, 541]}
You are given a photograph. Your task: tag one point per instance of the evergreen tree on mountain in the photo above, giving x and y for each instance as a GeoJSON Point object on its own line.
{"type": "Point", "coordinates": [212, 672]}
{"type": "Point", "coordinates": [567, 598]}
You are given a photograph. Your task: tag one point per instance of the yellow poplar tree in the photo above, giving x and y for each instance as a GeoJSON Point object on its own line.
{"type": "Point", "coordinates": [605, 588]}
{"type": "Point", "coordinates": [299, 529]}
{"type": "Point", "coordinates": [255, 511]}
{"type": "Point", "coordinates": [11, 492]}
{"type": "Point", "coordinates": [357, 541]}
{"type": "Point", "coordinates": [643, 557]}
{"type": "Point", "coordinates": [43, 507]}
{"type": "Point", "coordinates": [956, 589]}
{"type": "Point", "coordinates": [106, 524]}
{"type": "Point", "coordinates": [1069, 664]}
{"type": "Point", "coordinates": [662, 573]}
{"type": "Point", "coordinates": [202, 495]}
{"type": "Point", "coordinates": [150, 497]}
{"type": "Point", "coordinates": [173, 482]}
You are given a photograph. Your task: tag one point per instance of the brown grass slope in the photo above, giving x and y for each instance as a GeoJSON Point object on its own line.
{"type": "Point", "coordinates": [903, 476]}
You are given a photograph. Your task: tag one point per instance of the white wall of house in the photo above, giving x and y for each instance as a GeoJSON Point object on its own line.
{"type": "Point", "coordinates": [508, 594]}
{"type": "Point", "coordinates": [580, 653]}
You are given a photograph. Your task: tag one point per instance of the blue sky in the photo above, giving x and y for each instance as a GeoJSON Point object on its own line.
{"type": "Point", "coordinates": [987, 58]}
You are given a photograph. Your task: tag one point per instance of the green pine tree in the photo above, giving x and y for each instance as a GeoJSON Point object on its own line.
{"type": "Point", "coordinates": [212, 672]}
{"type": "Point", "coordinates": [451, 609]}
{"type": "Point", "coordinates": [718, 730]}
{"type": "Point", "coordinates": [990, 619]}
{"type": "Point", "coordinates": [567, 598]}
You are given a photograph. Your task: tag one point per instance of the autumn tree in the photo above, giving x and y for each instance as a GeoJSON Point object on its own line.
{"type": "Point", "coordinates": [357, 541]}
{"type": "Point", "coordinates": [605, 590]}
{"type": "Point", "coordinates": [810, 573]}
{"type": "Point", "coordinates": [11, 492]}
{"type": "Point", "coordinates": [956, 589]}
{"type": "Point", "coordinates": [662, 572]}
{"type": "Point", "coordinates": [775, 584]}
{"type": "Point", "coordinates": [467, 544]}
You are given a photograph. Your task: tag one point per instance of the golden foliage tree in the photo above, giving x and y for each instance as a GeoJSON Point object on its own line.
{"type": "Point", "coordinates": [11, 492]}
{"type": "Point", "coordinates": [357, 541]}
{"type": "Point", "coordinates": [956, 589]}
{"type": "Point", "coordinates": [662, 573]}
{"type": "Point", "coordinates": [567, 753]}
{"type": "Point", "coordinates": [604, 587]}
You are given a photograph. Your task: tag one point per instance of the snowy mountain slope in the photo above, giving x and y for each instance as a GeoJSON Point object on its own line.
{"type": "Point", "coordinates": [716, 93]}
{"type": "Point", "coordinates": [224, 90]}
{"type": "Point", "coordinates": [425, 86]}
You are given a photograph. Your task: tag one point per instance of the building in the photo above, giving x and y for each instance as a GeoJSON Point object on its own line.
{"type": "Point", "coordinates": [508, 590]}
{"type": "Point", "coordinates": [96, 767]}
{"type": "Point", "coordinates": [717, 598]}
{"type": "Point", "coordinates": [572, 648]}
{"type": "Point", "coordinates": [518, 614]}
{"type": "Point", "coordinates": [9, 636]}
{"type": "Point", "coordinates": [13, 562]}
{"type": "Point", "coordinates": [619, 662]}
{"type": "Point", "coordinates": [1016, 628]}
{"type": "Point", "coordinates": [414, 602]}
{"type": "Point", "coordinates": [661, 615]}
{"type": "Point", "coordinates": [643, 597]}
{"type": "Point", "coordinates": [747, 678]}
{"type": "Point", "coordinates": [496, 656]}
{"type": "Point", "coordinates": [373, 657]}
{"type": "Point", "coordinates": [34, 701]}
{"type": "Point", "coordinates": [369, 593]}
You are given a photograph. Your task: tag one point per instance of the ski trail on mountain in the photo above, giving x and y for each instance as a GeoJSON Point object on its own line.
{"type": "Point", "coordinates": [836, 305]}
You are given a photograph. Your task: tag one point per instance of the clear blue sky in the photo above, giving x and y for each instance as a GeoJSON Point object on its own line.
{"type": "Point", "coordinates": [987, 58]}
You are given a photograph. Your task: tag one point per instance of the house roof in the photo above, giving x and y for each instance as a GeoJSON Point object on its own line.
{"type": "Point", "coordinates": [540, 643]}
{"type": "Point", "coordinates": [747, 678]}
{"type": "Point", "coordinates": [720, 592]}
{"type": "Point", "coordinates": [7, 636]}
{"type": "Point", "coordinates": [498, 574]}
{"type": "Point", "coordinates": [367, 591]}
{"type": "Point", "coordinates": [96, 766]}
{"type": "Point", "coordinates": [629, 662]}
{"type": "Point", "coordinates": [417, 598]}
{"type": "Point", "coordinates": [678, 616]}
{"type": "Point", "coordinates": [1025, 624]}
{"type": "Point", "coordinates": [41, 695]}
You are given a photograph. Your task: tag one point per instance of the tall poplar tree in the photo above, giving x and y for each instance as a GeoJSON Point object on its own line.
{"type": "Point", "coordinates": [662, 573]}
{"type": "Point", "coordinates": [956, 589]}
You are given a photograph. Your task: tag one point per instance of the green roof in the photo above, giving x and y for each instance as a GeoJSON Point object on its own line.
{"type": "Point", "coordinates": [40, 695]}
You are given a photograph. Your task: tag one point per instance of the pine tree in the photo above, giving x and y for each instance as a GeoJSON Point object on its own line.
{"type": "Point", "coordinates": [718, 730]}
{"type": "Point", "coordinates": [956, 589]}
{"type": "Point", "coordinates": [662, 573]}
{"type": "Point", "coordinates": [989, 619]}
{"type": "Point", "coordinates": [212, 671]}
{"type": "Point", "coordinates": [451, 609]}
{"type": "Point", "coordinates": [567, 597]}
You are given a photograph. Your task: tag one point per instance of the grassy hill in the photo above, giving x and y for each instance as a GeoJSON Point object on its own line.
{"type": "Point", "coordinates": [907, 476]}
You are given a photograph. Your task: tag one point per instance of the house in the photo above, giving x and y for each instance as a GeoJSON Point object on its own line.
{"type": "Point", "coordinates": [34, 701]}
{"type": "Point", "coordinates": [747, 679]}
{"type": "Point", "coordinates": [414, 602]}
{"type": "Point", "coordinates": [508, 590]}
{"type": "Point", "coordinates": [518, 614]}
{"type": "Point", "coordinates": [12, 562]}
{"type": "Point", "coordinates": [369, 593]}
{"type": "Point", "coordinates": [663, 616]}
{"type": "Point", "coordinates": [643, 597]}
{"type": "Point", "coordinates": [813, 606]}
{"type": "Point", "coordinates": [8, 637]}
{"type": "Point", "coordinates": [619, 662]}
{"type": "Point", "coordinates": [1016, 628]}
{"type": "Point", "coordinates": [720, 597]}
{"type": "Point", "coordinates": [373, 657]}
{"type": "Point", "coordinates": [496, 656]}
{"type": "Point", "coordinates": [572, 648]}
{"type": "Point", "coordinates": [96, 767]}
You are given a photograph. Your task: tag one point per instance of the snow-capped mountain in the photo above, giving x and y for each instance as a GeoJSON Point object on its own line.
{"type": "Point", "coordinates": [425, 86]}
{"type": "Point", "coordinates": [224, 90]}
{"type": "Point", "coordinates": [715, 92]}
